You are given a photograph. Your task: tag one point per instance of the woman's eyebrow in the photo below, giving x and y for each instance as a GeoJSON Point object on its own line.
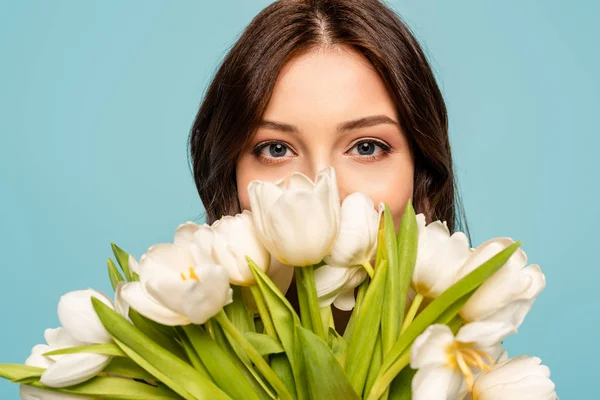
{"type": "Point", "coordinates": [364, 122]}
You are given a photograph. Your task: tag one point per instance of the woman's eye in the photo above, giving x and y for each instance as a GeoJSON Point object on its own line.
{"type": "Point", "coordinates": [368, 148]}
{"type": "Point", "coordinates": [273, 150]}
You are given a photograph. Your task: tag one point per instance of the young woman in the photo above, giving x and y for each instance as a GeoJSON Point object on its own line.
{"type": "Point", "coordinates": [312, 83]}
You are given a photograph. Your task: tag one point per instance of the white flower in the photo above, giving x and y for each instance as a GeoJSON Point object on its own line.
{"type": "Point", "coordinates": [80, 326]}
{"type": "Point", "coordinates": [447, 365]}
{"type": "Point", "coordinates": [175, 290]}
{"type": "Point", "coordinates": [78, 317]}
{"type": "Point", "coordinates": [336, 285]}
{"type": "Point", "coordinates": [519, 378]}
{"type": "Point", "coordinates": [351, 255]}
{"type": "Point", "coordinates": [299, 223]}
{"type": "Point", "coordinates": [508, 295]}
{"type": "Point", "coordinates": [440, 257]}
{"type": "Point", "coordinates": [228, 241]}
{"type": "Point", "coordinates": [357, 240]}
{"type": "Point", "coordinates": [57, 339]}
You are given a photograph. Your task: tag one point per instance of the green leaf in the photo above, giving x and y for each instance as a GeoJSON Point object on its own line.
{"type": "Point", "coordinates": [114, 274]}
{"type": "Point", "coordinates": [447, 304]}
{"type": "Point", "coordinates": [285, 320]}
{"type": "Point", "coordinates": [160, 363]}
{"type": "Point", "coordinates": [408, 240]}
{"type": "Point", "coordinates": [264, 344]}
{"type": "Point", "coordinates": [391, 314]}
{"type": "Point", "coordinates": [338, 345]}
{"type": "Point", "coordinates": [127, 368]}
{"type": "Point", "coordinates": [325, 376]}
{"type": "Point", "coordinates": [108, 349]}
{"type": "Point", "coordinates": [282, 367]}
{"type": "Point", "coordinates": [219, 364]}
{"type": "Point", "coordinates": [123, 259]}
{"type": "Point", "coordinates": [366, 330]}
{"type": "Point", "coordinates": [18, 372]}
{"type": "Point", "coordinates": [362, 291]}
{"type": "Point", "coordinates": [376, 361]}
{"type": "Point", "coordinates": [115, 388]}
{"type": "Point", "coordinates": [155, 333]}
{"type": "Point", "coordinates": [237, 354]}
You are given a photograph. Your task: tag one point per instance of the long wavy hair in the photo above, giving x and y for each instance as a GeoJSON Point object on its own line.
{"type": "Point", "coordinates": [240, 91]}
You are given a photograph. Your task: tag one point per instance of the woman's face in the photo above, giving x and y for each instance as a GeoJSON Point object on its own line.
{"type": "Point", "coordinates": [330, 108]}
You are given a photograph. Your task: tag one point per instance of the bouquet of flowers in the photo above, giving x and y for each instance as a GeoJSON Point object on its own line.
{"type": "Point", "coordinates": [206, 317]}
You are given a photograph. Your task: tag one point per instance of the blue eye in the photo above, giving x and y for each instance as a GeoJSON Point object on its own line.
{"type": "Point", "coordinates": [369, 148]}
{"type": "Point", "coordinates": [276, 150]}
{"type": "Point", "coordinates": [272, 150]}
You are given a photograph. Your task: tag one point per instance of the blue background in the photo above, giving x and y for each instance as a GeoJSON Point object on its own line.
{"type": "Point", "coordinates": [97, 99]}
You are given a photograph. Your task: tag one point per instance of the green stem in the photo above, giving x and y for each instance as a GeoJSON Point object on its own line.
{"type": "Point", "coordinates": [253, 354]}
{"type": "Point", "coordinates": [412, 312]}
{"type": "Point", "coordinates": [383, 382]}
{"type": "Point", "coordinates": [367, 266]}
{"type": "Point", "coordinates": [307, 296]}
{"type": "Point", "coordinates": [263, 311]}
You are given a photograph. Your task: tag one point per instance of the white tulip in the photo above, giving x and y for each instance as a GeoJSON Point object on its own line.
{"type": "Point", "coordinates": [69, 369]}
{"type": "Point", "coordinates": [228, 241]}
{"type": "Point", "coordinates": [508, 295]}
{"type": "Point", "coordinates": [447, 365]}
{"type": "Point", "coordinates": [357, 240]}
{"type": "Point", "coordinates": [336, 285]}
{"type": "Point", "coordinates": [175, 290]}
{"type": "Point", "coordinates": [440, 257]}
{"type": "Point", "coordinates": [519, 378]}
{"type": "Point", "coordinates": [299, 223]}
{"type": "Point", "coordinates": [78, 317]}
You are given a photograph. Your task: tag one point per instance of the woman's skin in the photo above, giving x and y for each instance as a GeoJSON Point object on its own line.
{"type": "Point", "coordinates": [314, 94]}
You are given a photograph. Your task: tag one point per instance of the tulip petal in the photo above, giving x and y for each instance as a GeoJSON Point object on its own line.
{"type": "Point", "coordinates": [36, 359]}
{"type": "Point", "coordinates": [60, 338]}
{"type": "Point", "coordinates": [73, 369]}
{"type": "Point", "coordinates": [78, 317]}
{"type": "Point", "coordinates": [169, 256]}
{"type": "Point", "coordinates": [205, 300]}
{"type": "Point", "coordinates": [137, 298]}
{"type": "Point", "coordinates": [357, 239]}
{"type": "Point", "coordinates": [184, 234]}
{"type": "Point", "coordinates": [345, 301]}
{"type": "Point", "coordinates": [520, 378]}
{"type": "Point", "coordinates": [430, 348]}
{"type": "Point", "coordinates": [484, 334]}
{"type": "Point", "coordinates": [301, 225]}
{"type": "Point", "coordinates": [436, 383]}
{"type": "Point", "coordinates": [121, 306]}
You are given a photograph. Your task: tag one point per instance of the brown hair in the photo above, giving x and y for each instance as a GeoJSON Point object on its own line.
{"type": "Point", "coordinates": [239, 93]}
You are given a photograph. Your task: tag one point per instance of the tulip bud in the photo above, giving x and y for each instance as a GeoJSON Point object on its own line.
{"type": "Point", "coordinates": [77, 315]}
{"type": "Point", "coordinates": [299, 223]}
{"type": "Point", "coordinates": [228, 241]}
